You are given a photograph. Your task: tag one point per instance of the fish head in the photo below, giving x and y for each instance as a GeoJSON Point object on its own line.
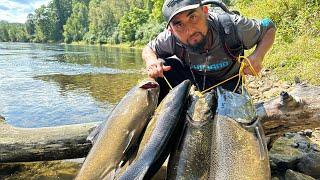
{"type": "Point", "coordinates": [236, 106]}
{"type": "Point", "coordinates": [152, 88]}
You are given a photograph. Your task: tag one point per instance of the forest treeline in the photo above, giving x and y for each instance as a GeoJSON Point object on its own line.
{"type": "Point", "coordinates": [138, 21]}
{"type": "Point", "coordinates": [93, 21]}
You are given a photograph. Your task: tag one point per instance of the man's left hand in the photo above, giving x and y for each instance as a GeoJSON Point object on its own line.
{"type": "Point", "coordinates": [256, 62]}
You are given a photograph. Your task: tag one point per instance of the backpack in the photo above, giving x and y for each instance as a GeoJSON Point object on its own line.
{"type": "Point", "coordinates": [228, 35]}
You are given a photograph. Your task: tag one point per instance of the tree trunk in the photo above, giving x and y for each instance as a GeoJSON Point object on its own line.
{"type": "Point", "coordinates": [288, 113]}
{"type": "Point", "coordinates": [291, 112]}
{"type": "Point", "coordinates": [39, 144]}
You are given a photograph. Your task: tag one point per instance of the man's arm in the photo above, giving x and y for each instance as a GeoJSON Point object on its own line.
{"type": "Point", "coordinates": [154, 65]}
{"type": "Point", "coordinates": [259, 53]}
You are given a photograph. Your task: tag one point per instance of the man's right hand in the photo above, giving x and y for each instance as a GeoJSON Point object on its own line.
{"type": "Point", "coordinates": [155, 68]}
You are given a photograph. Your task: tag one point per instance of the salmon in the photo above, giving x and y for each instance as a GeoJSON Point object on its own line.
{"type": "Point", "coordinates": [121, 132]}
{"type": "Point", "coordinates": [158, 132]}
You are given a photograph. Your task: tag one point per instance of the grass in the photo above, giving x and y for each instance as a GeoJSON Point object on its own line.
{"type": "Point", "coordinates": [295, 53]}
{"type": "Point", "coordinates": [299, 59]}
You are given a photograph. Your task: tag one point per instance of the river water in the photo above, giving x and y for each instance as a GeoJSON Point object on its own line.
{"type": "Point", "coordinates": [48, 84]}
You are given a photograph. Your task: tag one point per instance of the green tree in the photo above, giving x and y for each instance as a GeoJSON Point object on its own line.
{"type": "Point", "coordinates": [130, 22]}
{"type": "Point", "coordinates": [62, 10]}
{"type": "Point", "coordinates": [77, 24]}
{"type": "Point", "coordinates": [101, 21]}
{"type": "Point", "coordinates": [45, 24]}
{"type": "Point", "coordinates": [105, 15]}
{"type": "Point", "coordinates": [30, 26]}
{"type": "Point", "coordinates": [156, 14]}
{"type": "Point", "coordinates": [149, 31]}
{"type": "Point", "coordinates": [4, 35]}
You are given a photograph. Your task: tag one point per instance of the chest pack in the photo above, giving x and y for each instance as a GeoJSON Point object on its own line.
{"type": "Point", "coordinates": [225, 26]}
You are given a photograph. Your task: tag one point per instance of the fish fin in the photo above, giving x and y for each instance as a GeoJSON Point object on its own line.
{"type": "Point", "coordinates": [129, 143]}
{"type": "Point", "coordinates": [94, 134]}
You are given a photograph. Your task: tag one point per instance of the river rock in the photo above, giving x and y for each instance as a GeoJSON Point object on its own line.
{"type": "Point", "coordinates": [289, 150]}
{"type": "Point", "coordinates": [292, 175]}
{"type": "Point", "coordinates": [310, 164]}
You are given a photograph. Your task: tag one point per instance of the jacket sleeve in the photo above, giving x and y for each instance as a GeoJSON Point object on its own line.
{"type": "Point", "coordinates": [163, 44]}
{"type": "Point", "coordinates": [251, 31]}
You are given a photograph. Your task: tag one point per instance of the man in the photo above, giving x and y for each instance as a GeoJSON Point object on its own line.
{"type": "Point", "coordinates": [193, 47]}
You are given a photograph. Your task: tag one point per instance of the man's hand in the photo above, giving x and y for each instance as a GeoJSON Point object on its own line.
{"type": "Point", "coordinates": [261, 50]}
{"type": "Point", "coordinates": [256, 62]}
{"type": "Point", "coordinates": [154, 65]}
{"type": "Point", "coordinates": [155, 68]}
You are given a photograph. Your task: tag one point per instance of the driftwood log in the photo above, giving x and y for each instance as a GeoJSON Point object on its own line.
{"type": "Point", "coordinates": [290, 112]}
{"type": "Point", "coordinates": [39, 144]}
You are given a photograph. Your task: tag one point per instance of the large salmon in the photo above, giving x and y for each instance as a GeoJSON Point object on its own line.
{"type": "Point", "coordinates": [238, 148]}
{"type": "Point", "coordinates": [191, 159]}
{"type": "Point", "coordinates": [121, 131]}
{"type": "Point", "coordinates": [229, 146]}
{"type": "Point", "coordinates": [158, 132]}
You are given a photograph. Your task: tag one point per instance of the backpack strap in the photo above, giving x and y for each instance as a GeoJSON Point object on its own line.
{"type": "Point", "coordinates": [228, 36]}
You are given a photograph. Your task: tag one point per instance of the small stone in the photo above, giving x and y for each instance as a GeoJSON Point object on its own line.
{"type": "Point", "coordinates": [286, 86]}
{"type": "Point", "coordinates": [292, 175]}
{"type": "Point", "coordinates": [264, 89]}
{"type": "Point", "coordinates": [308, 132]}
{"type": "Point", "coordinates": [315, 147]}
{"type": "Point", "coordinates": [289, 134]}
{"type": "Point", "coordinates": [303, 145]}
{"type": "Point", "coordinates": [297, 80]}
{"type": "Point", "coordinates": [295, 145]}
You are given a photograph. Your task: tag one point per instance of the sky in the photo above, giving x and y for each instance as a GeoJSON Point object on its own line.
{"type": "Point", "coordinates": [18, 10]}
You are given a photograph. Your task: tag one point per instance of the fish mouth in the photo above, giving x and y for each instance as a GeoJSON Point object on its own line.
{"type": "Point", "coordinates": [149, 85]}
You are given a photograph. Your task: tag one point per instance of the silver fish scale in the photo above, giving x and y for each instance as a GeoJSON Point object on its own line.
{"type": "Point", "coordinates": [236, 153]}
{"type": "Point", "coordinates": [192, 159]}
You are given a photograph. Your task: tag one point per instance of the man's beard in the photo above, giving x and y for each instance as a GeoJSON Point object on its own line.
{"type": "Point", "coordinates": [198, 47]}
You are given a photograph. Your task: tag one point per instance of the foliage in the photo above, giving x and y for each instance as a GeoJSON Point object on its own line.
{"type": "Point", "coordinates": [148, 31]}
{"type": "Point", "coordinates": [101, 21]}
{"type": "Point", "coordinates": [95, 21]}
{"type": "Point", "coordinates": [30, 24]}
{"type": "Point", "coordinates": [45, 20]}
{"type": "Point", "coordinates": [297, 59]}
{"type": "Point", "coordinates": [296, 50]}
{"type": "Point", "coordinates": [130, 22]}
{"type": "Point", "coordinates": [77, 23]}
{"type": "Point", "coordinates": [62, 10]}
{"type": "Point", "coordinates": [13, 32]}
{"type": "Point", "coordinates": [156, 14]}
{"type": "Point", "coordinates": [293, 18]}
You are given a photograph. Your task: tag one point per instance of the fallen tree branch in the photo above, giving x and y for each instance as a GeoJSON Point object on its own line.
{"type": "Point", "coordinates": [39, 144]}
{"type": "Point", "coordinates": [291, 112]}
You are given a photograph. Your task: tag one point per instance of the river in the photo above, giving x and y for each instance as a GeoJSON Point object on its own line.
{"type": "Point", "coordinates": [50, 84]}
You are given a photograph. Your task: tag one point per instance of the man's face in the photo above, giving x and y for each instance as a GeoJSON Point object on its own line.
{"type": "Point", "coordinates": [191, 26]}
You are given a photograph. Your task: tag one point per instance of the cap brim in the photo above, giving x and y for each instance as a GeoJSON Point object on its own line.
{"type": "Point", "coordinates": [189, 7]}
